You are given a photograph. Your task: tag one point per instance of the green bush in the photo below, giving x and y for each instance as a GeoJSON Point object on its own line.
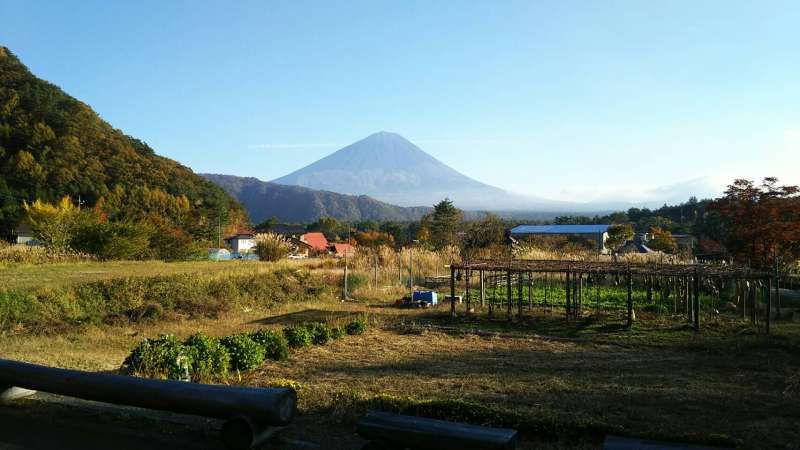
{"type": "Point", "coordinates": [298, 336]}
{"type": "Point", "coordinates": [355, 281]}
{"type": "Point", "coordinates": [320, 332]}
{"type": "Point", "coordinates": [245, 353]}
{"type": "Point", "coordinates": [275, 345]}
{"type": "Point", "coordinates": [163, 357]}
{"type": "Point", "coordinates": [358, 326]}
{"type": "Point", "coordinates": [211, 358]}
{"type": "Point", "coordinates": [337, 333]}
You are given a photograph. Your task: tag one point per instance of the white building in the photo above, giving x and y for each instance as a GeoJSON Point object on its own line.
{"type": "Point", "coordinates": [242, 242]}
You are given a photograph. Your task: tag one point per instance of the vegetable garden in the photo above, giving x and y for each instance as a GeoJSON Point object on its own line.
{"type": "Point", "coordinates": [687, 293]}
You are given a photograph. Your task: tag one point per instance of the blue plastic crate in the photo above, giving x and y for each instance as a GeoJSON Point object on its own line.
{"type": "Point", "coordinates": [425, 297]}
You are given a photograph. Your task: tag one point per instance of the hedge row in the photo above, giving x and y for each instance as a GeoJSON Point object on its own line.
{"type": "Point", "coordinates": [205, 358]}
{"type": "Point", "coordinates": [142, 299]}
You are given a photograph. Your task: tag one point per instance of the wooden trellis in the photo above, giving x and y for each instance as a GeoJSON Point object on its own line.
{"type": "Point", "coordinates": [684, 282]}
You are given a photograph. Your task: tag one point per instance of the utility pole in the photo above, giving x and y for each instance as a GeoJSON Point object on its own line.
{"type": "Point", "coordinates": [345, 263]}
{"type": "Point", "coordinates": [411, 268]}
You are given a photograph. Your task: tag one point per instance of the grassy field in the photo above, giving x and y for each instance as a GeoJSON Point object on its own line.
{"type": "Point", "coordinates": [564, 384]}
{"type": "Point", "coordinates": [30, 276]}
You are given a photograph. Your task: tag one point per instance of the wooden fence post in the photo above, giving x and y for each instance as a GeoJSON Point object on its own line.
{"type": "Point", "coordinates": [769, 304]}
{"type": "Point", "coordinates": [696, 301]}
{"type": "Point", "coordinates": [519, 295]}
{"type": "Point", "coordinates": [452, 291]}
{"type": "Point", "coordinates": [630, 299]}
{"type": "Point", "coordinates": [509, 298]}
{"type": "Point", "coordinates": [483, 289]}
{"type": "Point", "coordinates": [468, 290]}
{"type": "Point", "coordinates": [568, 289]}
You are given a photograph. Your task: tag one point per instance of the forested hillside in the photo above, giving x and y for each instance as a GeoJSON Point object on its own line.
{"type": "Point", "coordinates": [296, 204]}
{"type": "Point", "coordinates": [52, 146]}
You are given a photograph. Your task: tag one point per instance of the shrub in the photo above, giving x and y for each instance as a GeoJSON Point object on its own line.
{"type": "Point", "coordinates": [245, 353]}
{"type": "Point", "coordinates": [337, 333]}
{"type": "Point", "coordinates": [285, 383]}
{"type": "Point", "coordinates": [272, 246]}
{"type": "Point", "coordinates": [275, 345]}
{"type": "Point", "coordinates": [358, 326]}
{"type": "Point", "coordinates": [163, 357]}
{"type": "Point", "coordinates": [320, 332]}
{"type": "Point", "coordinates": [355, 281]}
{"type": "Point", "coordinates": [211, 358]}
{"type": "Point", "coordinates": [298, 336]}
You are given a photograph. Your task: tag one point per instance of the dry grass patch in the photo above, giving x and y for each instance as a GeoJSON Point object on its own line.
{"type": "Point", "coordinates": [665, 392]}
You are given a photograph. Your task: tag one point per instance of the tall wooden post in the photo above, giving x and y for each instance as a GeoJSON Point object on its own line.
{"type": "Point", "coordinates": [519, 295]}
{"type": "Point", "coordinates": [468, 290]}
{"type": "Point", "coordinates": [579, 297]}
{"type": "Point", "coordinates": [510, 300]}
{"type": "Point", "coordinates": [452, 291]}
{"type": "Point", "coordinates": [629, 282]}
{"type": "Point", "coordinates": [530, 291]}
{"type": "Point", "coordinates": [769, 303]}
{"type": "Point", "coordinates": [483, 289]}
{"type": "Point", "coordinates": [777, 290]}
{"type": "Point", "coordinates": [568, 289]}
{"type": "Point", "coordinates": [649, 289]}
{"type": "Point", "coordinates": [494, 295]}
{"type": "Point", "coordinates": [696, 301]}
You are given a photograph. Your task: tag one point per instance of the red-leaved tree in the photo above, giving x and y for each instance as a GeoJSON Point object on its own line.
{"type": "Point", "coordinates": [760, 223]}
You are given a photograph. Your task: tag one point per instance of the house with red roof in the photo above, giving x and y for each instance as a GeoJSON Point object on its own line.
{"type": "Point", "coordinates": [316, 241]}
{"type": "Point", "coordinates": [342, 249]}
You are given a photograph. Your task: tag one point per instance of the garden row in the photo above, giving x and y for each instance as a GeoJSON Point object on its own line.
{"type": "Point", "coordinates": [204, 358]}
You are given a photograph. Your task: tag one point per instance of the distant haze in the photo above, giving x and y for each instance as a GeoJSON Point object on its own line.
{"type": "Point", "coordinates": [390, 168]}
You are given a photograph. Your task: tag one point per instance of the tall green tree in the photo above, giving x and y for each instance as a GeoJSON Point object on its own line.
{"type": "Point", "coordinates": [444, 223]}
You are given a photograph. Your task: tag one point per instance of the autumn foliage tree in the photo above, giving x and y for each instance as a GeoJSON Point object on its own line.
{"type": "Point", "coordinates": [53, 225]}
{"type": "Point", "coordinates": [662, 240]}
{"type": "Point", "coordinates": [618, 235]}
{"type": "Point", "coordinates": [759, 222]}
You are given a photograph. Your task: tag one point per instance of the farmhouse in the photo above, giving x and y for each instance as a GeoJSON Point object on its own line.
{"type": "Point", "coordinates": [340, 250]}
{"type": "Point", "coordinates": [598, 234]}
{"type": "Point", "coordinates": [25, 235]}
{"type": "Point", "coordinates": [242, 242]}
{"type": "Point", "coordinates": [298, 248]}
{"type": "Point", "coordinates": [317, 241]}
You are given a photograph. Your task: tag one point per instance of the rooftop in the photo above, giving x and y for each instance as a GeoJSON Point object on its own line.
{"type": "Point", "coordinates": [316, 240]}
{"type": "Point", "coordinates": [559, 229]}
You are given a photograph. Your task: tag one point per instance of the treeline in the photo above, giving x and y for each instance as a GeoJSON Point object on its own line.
{"type": "Point", "coordinates": [753, 224]}
{"type": "Point", "coordinates": [682, 218]}
{"type": "Point", "coordinates": [53, 146]}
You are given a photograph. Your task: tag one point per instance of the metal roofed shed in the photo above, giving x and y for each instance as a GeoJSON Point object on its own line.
{"type": "Point", "coordinates": [596, 233]}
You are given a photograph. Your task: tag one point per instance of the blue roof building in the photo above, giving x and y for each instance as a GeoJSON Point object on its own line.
{"type": "Point", "coordinates": [597, 233]}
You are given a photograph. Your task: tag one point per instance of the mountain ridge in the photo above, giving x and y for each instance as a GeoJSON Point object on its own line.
{"type": "Point", "coordinates": [297, 204]}
{"type": "Point", "coordinates": [53, 145]}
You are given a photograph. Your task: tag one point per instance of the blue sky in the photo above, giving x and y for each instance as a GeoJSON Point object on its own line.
{"type": "Point", "coordinates": [575, 100]}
